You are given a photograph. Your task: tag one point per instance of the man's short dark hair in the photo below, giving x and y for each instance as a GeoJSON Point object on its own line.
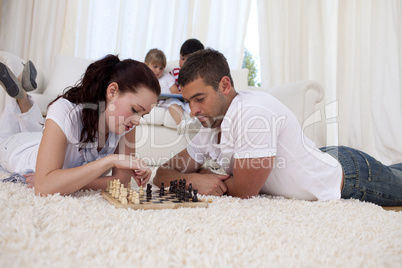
{"type": "Point", "coordinates": [190, 46]}
{"type": "Point", "coordinates": [209, 64]}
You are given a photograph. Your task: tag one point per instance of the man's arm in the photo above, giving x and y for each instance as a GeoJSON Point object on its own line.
{"type": "Point", "coordinates": [182, 166]}
{"type": "Point", "coordinates": [249, 175]}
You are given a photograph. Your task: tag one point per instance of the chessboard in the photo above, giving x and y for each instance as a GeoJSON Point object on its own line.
{"type": "Point", "coordinates": [152, 199]}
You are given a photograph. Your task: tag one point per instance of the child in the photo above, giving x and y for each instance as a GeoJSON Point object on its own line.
{"type": "Point", "coordinates": [188, 47]}
{"type": "Point", "coordinates": [156, 61]}
{"type": "Point", "coordinates": [87, 131]}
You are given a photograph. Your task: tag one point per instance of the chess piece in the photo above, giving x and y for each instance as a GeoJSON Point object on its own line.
{"type": "Point", "coordinates": [136, 200]}
{"type": "Point", "coordinates": [195, 197]}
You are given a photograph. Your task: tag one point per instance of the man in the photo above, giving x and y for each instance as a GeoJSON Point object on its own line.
{"type": "Point", "coordinates": [260, 144]}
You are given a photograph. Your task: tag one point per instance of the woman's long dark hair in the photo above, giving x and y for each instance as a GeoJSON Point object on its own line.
{"type": "Point", "coordinates": [129, 74]}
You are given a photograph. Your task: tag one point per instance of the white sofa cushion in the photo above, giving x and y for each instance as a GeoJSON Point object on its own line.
{"type": "Point", "coordinates": [66, 72]}
{"type": "Point", "coordinates": [240, 78]}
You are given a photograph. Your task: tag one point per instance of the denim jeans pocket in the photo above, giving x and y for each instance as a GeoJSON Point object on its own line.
{"type": "Point", "coordinates": [376, 170]}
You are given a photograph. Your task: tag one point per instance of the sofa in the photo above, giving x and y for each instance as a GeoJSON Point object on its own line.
{"type": "Point", "coordinates": [156, 136]}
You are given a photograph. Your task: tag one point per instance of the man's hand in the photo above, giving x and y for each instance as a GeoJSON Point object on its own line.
{"type": "Point", "coordinates": [209, 183]}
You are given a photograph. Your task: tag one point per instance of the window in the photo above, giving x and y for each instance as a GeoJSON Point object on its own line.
{"type": "Point", "coordinates": [251, 58]}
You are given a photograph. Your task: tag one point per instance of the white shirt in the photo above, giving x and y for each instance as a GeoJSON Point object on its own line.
{"type": "Point", "coordinates": [68, 117]}
{"type": "Point", "coordinates": [166, 82]}
{"type": "Point", "coordinates": [258, 125]}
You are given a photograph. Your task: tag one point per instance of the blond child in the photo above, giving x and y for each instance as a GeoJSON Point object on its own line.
{"type": "Point", "coordinates": [156, 61]}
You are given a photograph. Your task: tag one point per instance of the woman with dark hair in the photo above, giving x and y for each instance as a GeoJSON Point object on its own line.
{"type": "Point", "coordinates": [87, 130]}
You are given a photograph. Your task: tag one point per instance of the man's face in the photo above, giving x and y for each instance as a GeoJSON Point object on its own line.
{"type": "Point", "coordinates": [208, 105]}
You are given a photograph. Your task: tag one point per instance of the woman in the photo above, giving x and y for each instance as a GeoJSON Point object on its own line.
{"type": "Point", "coordinates": [87, 131]}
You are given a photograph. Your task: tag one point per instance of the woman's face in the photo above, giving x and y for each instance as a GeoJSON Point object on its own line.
{"type": "Point", "coordinates": [124, 110]}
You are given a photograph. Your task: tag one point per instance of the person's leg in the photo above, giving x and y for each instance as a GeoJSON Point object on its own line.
{"type": "Point", "coordinates": [13, 121]}
{"type": "Point", "coordinates": [367, 179]}
{"type": "Point", "coordinates": [176, 112]}
{"type": "Point", "coordinates": [10, 83]}
{"type": "Point", "coordinates": [396, 166]}
{"type": "Point", "coordinates": [20, 113]}
{"type": "Point", "coordinates": [28, 76]}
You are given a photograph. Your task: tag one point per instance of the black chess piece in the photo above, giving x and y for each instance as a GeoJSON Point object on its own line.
{"type": "Point", "coordinates": [186, 197]}
{"type": "Point", "coordinates": [190, 187]}
{"type": "Point", "coordinates": [162, 192]}
{"type": "Point", "coordinates": [195, 197]}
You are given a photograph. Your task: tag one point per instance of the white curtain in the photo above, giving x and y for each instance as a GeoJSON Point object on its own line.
{"type": "Point", "coordinates": [32, 29]}
{"type": "Point", "coordinates": [131, 28]}
{"type": "Point", "coordinates": [40, 29]}
{"type": "Point", "coordinates": [354, 49]}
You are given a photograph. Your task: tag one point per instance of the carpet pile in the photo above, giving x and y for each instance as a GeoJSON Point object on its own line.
{"type": "Point", "coordinates": [84, 230]}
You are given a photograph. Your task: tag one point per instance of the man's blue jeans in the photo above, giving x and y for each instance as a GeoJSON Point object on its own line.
{"type": "Point", "coordinates": [366, 178]}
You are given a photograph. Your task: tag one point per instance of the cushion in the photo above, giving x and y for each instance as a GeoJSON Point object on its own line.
{"type": "Point", "coordinates": [240, 78]}
{"type": "Point", "coordinates": [155, 117]}
{"type": "Point", "coordinates": [66, 72]}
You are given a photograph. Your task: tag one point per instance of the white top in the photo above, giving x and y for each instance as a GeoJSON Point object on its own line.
{"type": "Point", "coordinates": [258, 125]}
{"type": "Point", "coordinates": [68, 117]}
{"type": "Point", "coordinates": [166, 82]}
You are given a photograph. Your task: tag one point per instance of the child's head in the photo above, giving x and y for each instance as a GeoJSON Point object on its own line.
{"type": "Point", "coordinates": [188, 47]}
{"type": "Point", "coordinates": [156, 61]}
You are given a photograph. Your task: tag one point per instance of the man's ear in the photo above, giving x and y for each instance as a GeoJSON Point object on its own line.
{"type": "Point", "coordinates": [225, 85]}
{"type": "Point", "coordinates": [112, 91]}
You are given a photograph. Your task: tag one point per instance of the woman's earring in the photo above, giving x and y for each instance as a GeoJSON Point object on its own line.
{"type": "Point", "coordinates": [112, 107]}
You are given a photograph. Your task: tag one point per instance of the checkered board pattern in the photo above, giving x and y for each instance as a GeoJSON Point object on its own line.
{"type": "Point", "coordinates": [168, 201]}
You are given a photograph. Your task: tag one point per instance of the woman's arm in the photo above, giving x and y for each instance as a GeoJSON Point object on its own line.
{"type": "Point", "coordinates": [50, 178]}
{"type": "Point", "coordinates": [127, 147]}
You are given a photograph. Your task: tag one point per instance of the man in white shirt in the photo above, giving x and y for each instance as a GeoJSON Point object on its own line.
{"type": "Point", "coordinates": [260, 144]}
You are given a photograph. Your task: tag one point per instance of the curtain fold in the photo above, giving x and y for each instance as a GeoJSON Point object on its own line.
{"type": "Point", "coordinates": [353, 48]}
{"type": "Point", "coordinates": [32, 29]}
{"type": "Point", "coordinates": [132, 28]}
{"type": "Point", "coordinates": [40, 29]}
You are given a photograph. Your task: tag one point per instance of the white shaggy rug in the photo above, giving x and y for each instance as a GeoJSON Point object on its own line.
{"type": "Point", "coordinates": [84, 230]}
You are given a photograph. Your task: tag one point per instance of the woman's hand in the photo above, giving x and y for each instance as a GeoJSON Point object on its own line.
{"type": "Point", "coordinates": [142, 176]}
{"type": "Point", "coordinates": [30, 179]}
{"type": "Point", "coordinates": [134, 166]}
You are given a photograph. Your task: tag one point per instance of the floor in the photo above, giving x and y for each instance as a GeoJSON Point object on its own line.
{"type": "Point", "coordinates": [393, 208]}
